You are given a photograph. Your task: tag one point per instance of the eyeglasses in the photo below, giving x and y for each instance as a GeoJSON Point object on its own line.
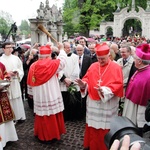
{"type": "Point", "coordinates": [8, 47]}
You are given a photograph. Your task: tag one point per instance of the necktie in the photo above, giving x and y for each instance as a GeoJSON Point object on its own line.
{"type": "Point", "coordinates": [80, 61]}
{"type": "Point", "coordinates": [124, 61]}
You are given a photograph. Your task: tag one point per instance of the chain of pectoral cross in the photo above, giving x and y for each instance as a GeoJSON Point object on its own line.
{"type": "Point", "coordinates": [101, 75]}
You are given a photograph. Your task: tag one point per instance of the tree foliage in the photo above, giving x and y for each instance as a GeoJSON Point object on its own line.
{"type": "Point", "coordinates": [4, 28]}
{"type": "Point", "coordinates": [5, 23]}
{"type": "Point", "coordinates": [24, 28]}
{"type": "Point", "coordinates": [71, 16]}
{"type": "Point", "coordinates": [93, 12]}
{"type": "Point", "coordinates": [83, 15]}
{"type": "Point", "coordinates": [124, 3]}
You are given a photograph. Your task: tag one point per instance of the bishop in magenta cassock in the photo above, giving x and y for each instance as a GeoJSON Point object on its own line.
{"type": "Point", "coordinates": [137, 92]}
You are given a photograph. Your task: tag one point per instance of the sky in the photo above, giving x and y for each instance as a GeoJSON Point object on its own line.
{"type": "Point", "coordinates": [24, 9]}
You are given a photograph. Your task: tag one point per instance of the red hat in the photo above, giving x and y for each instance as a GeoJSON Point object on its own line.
{"type": "Point", "coordinates": [45, 50]}
{"type": "Point", "coordinates": [102, 49]}
{"type": "Point", "coordinates": [143, 51]}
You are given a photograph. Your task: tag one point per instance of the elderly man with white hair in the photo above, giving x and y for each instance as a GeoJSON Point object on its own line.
{"type": "Point", "coordinates": [115, 47]}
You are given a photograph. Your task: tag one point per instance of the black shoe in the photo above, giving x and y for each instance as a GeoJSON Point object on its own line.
{"type": "Point", "coordinates": [20, 121]}
{"type": "Point", "coordinates": [146, 128]}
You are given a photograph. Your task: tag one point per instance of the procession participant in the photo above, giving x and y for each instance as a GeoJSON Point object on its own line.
{"type": "Point", "coordinates": [7, 128]}
{"type": "Point", "coordinates": [92, 51]}
{"type": "Point", "coordinates": [48, 103]}
{"type": "Point", "coordinates": [82, 41]}
{"type": "Point", "coordinates": [31, 58]}
{"type": "Point", "coordinates": [137, 92]}
{"type": "Point", "coordinates": [104, 83]}
{"type": "Point", "coordinates": [14, 68]}
{"type": "Point", "coordinates": [71, 98]}
{"type": "Point", "coordinates": [115, 47]}
{"type": "Point", "coordinates": [126, 62]}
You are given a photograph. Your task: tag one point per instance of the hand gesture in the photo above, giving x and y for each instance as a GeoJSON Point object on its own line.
{"type": "Point", "coordinates": [81, 84]}
{"type": "Point", "coordinates": [60, 45]}
{"type": "Point", "coordinates": [67, 81]}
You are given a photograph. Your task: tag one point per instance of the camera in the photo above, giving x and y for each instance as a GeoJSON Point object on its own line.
{"type": "Point", "coordinates": [121, 126]}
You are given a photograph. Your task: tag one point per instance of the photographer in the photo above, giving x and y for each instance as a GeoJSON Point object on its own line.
{"type": "Point", "coordinates": [125, 144]}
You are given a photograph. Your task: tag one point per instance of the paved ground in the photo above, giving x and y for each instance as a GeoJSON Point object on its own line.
{"type": "Point", "coordinates": [72, 140]}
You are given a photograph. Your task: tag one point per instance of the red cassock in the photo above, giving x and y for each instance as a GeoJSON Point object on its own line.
{"type": "Point", "coordinates": [111, 77]}
{"type": "Point", "coordinates": [46, 127]}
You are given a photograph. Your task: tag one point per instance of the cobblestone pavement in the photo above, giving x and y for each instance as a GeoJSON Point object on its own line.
{"type": "Point", "coordinates": [72, 140]}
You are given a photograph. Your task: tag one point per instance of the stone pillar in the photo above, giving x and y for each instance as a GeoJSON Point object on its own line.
{"type": "Point", "coordinates": [53, 32]}
{"type": "Point", "coordinates": [59, 31]}
{"type": "Point", "coordinates": [102, 28]}
{"type": "Point", "coordinates": [51, 19]}
{"type": "Point", "coordinates": [36, 34]}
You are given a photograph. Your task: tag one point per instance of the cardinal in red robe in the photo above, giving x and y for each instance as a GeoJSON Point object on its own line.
{"type": "Point", "coordinates": [104, 84]}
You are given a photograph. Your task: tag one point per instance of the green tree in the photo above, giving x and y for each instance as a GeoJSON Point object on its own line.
{"type": "Point", "coordinates": [4, 28]}
{"type": "Point", "coordinates": [93, 12]}
{"type": "Point", "coordinates": [83, 15]}
{"type": "Point", "coordinates": [71, 17]}
{"type": "Point", "coordinates": [124, 3]}
{"type": "Point", "coordinates": [24, 28]}
{"type": "Point", "coordinates": [5, 23]}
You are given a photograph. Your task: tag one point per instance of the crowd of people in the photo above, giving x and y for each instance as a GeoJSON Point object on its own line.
{"type": "Point", "coordinates": [93, 81]}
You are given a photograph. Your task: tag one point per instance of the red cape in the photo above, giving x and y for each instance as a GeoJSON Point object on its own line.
{"type": "Point", "coordinates": [2, 71]}
{"type": "Point", "coordinates": [41, 71]}
{"type": "Point", "coordinates": [112, 79]}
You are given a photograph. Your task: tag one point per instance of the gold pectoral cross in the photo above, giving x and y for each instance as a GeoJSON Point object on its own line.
{"type": "Point", "coordinates": [99, 82]}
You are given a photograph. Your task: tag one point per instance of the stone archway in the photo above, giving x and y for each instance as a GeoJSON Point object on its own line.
{"type": "Point", "coordinates": [132, 27]}
{"type": "Point", "coordinates": [109, 31]}
{"type": "Point", "coordinates": [121, 16]}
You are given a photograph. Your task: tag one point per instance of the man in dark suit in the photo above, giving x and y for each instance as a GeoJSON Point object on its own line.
{"type": "Point", "coordinates": [93, 54]}
{"type": "Point", "coordinates": [84, 60]}
{"type": "Point", "coordinates": [84, 64]}
{"type": "Point", "coordinates": [82, 41]}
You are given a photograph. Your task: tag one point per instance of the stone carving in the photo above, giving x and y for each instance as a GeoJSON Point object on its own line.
{"type": "Point", "coordinates": [40, 11]}
{"type": "Point", "coordinates": [51, 18]}
{"type": "Point", "coordinates": [47, 5]}
{"type": "Point", "coordinates": [48, 15]}
{"type": "Point", "coordinates": [53, 15]}
{"type": "Point", "coordinates": [59, 15]}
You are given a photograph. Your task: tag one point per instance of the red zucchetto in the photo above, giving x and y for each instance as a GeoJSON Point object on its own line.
{"type": "Point", "coordinates": [45, 50]}
{"type": "Point", "coordinates": [102, 49]}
